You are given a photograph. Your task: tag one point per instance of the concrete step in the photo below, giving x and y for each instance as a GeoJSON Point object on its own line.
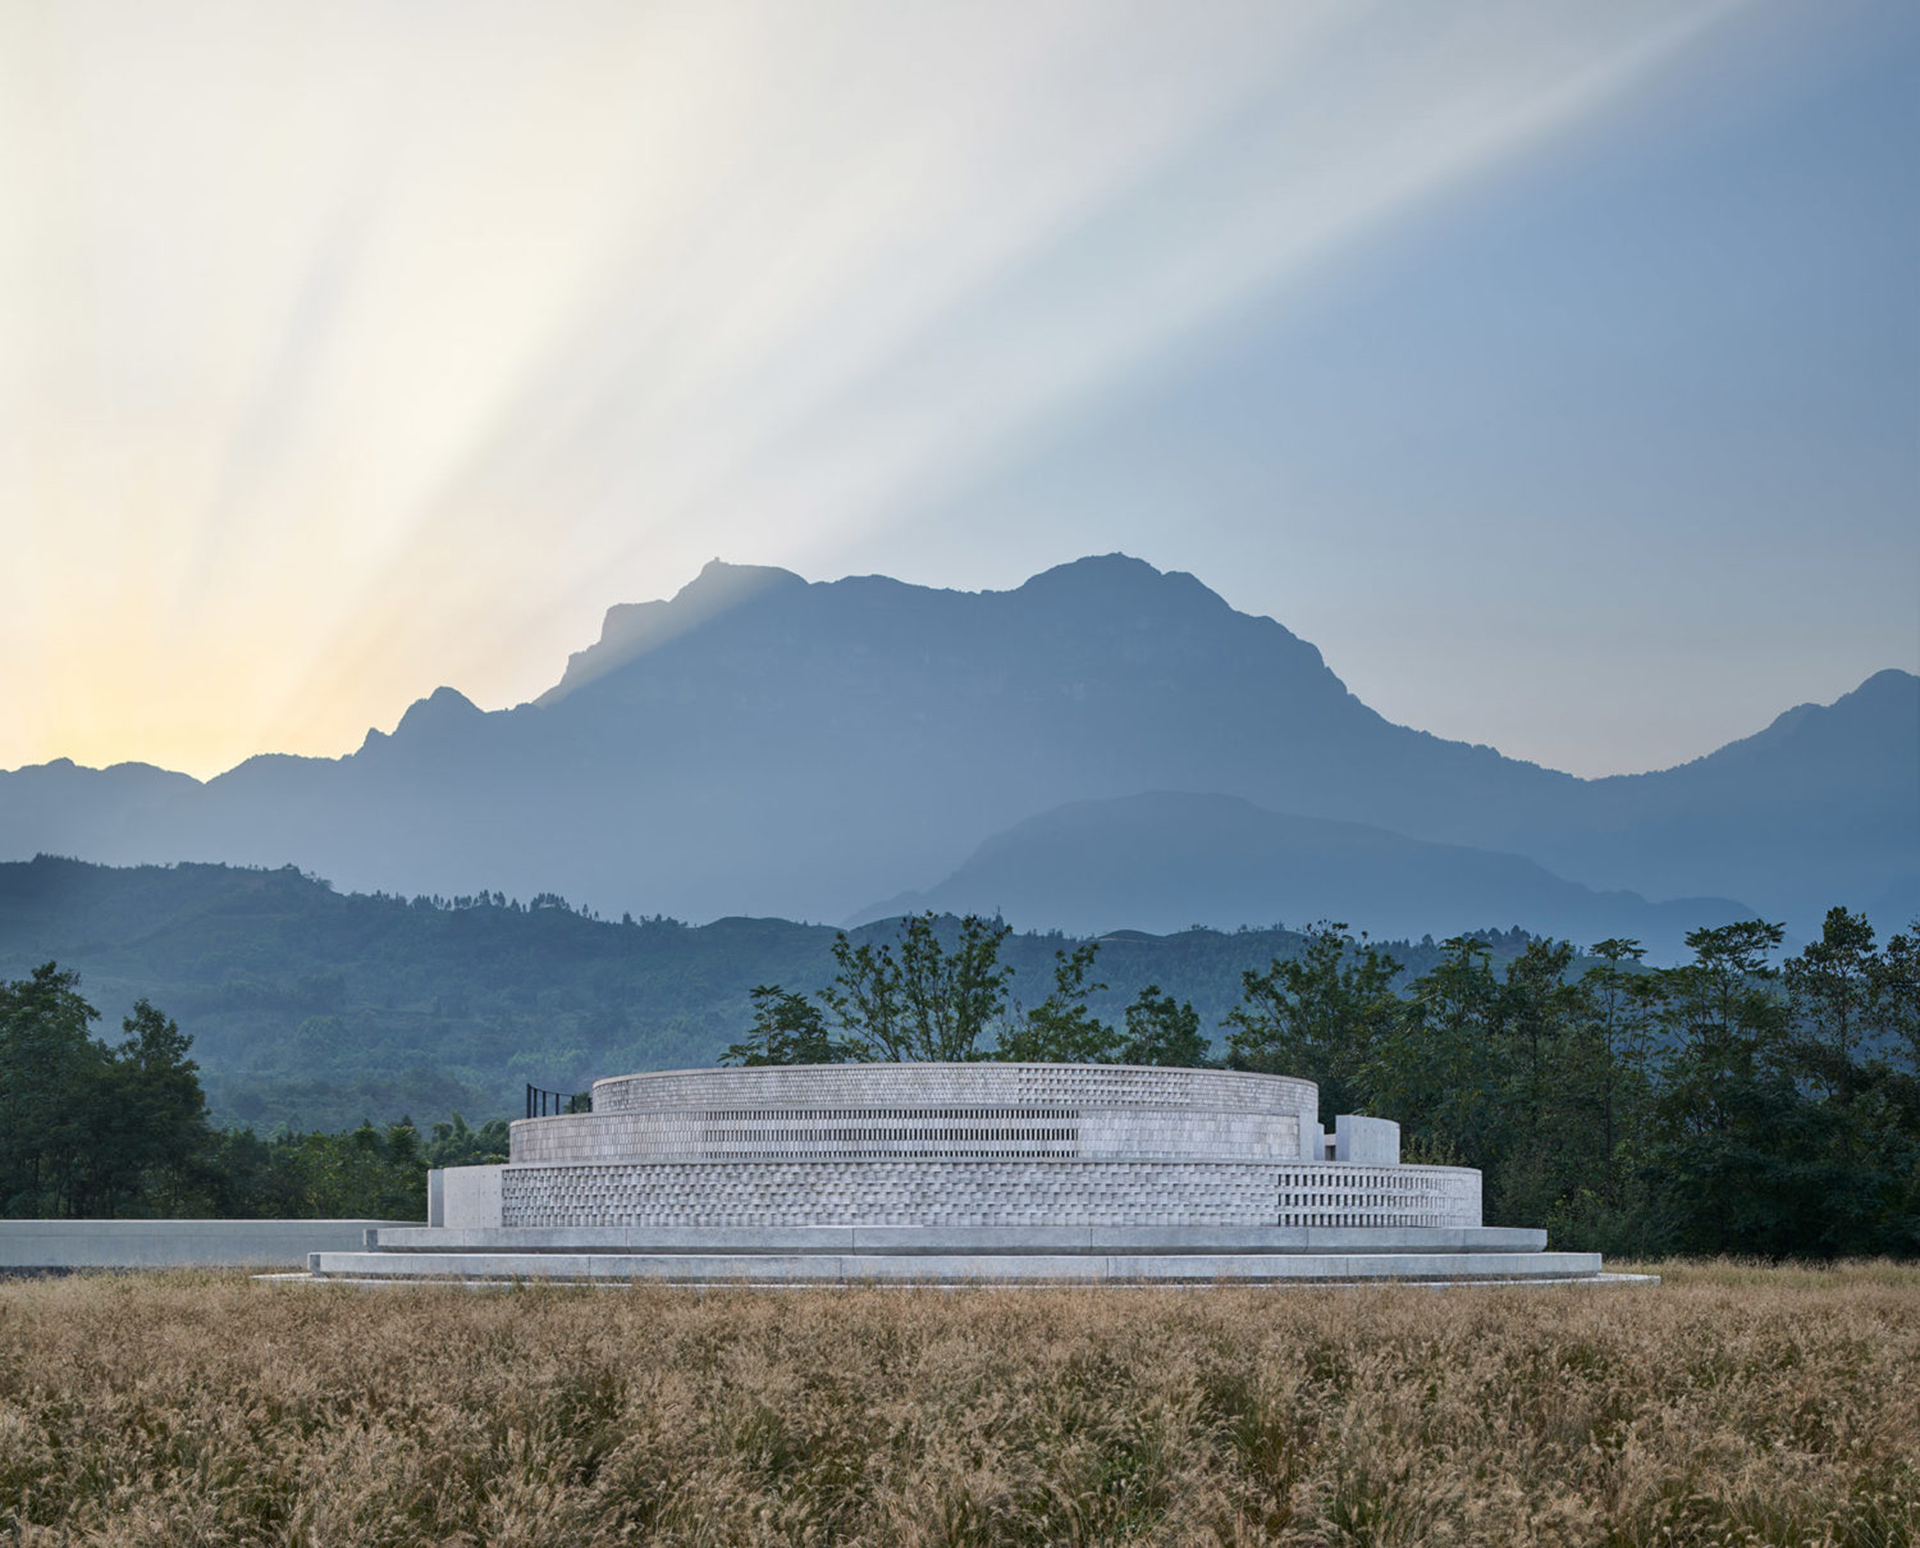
{"type": "Point", "coordinates": [961, 1240]}
{"type": "Point", "coordinates": [957, 1268]}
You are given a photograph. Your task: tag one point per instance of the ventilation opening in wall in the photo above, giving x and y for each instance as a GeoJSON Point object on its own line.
{"type": "Point", "coordinates": [1343, 1198]}
{"type": "Point", "coordinates": [746, 1133]}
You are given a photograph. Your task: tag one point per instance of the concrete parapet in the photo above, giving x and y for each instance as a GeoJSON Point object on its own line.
{"type": "Point", "coordinates": [125, 1244]}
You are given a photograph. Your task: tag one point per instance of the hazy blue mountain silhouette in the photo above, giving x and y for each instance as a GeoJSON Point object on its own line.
{"type": "Point", "coordinates": [1165, 860]}
{"type": "Point", "coordinates": [64, 808]}
{"type": "Point", "coordinates": [1824, 803]}
{"type": "Point", "coordinates": [759, 744]}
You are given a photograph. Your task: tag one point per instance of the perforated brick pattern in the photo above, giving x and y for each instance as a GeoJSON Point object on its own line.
{"type": "Point", "coordinates": [882, 1193]}
{"type": "Point", "coordinates": [1338, 1194]}
{"type": "Point", "coordinates": [986, 1193]}
{"type": "Point", "coordinates": [866, 1133]}
{"type": "Point", "coordinates": [956, 1085]}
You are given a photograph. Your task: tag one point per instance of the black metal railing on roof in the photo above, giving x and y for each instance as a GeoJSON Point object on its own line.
{"type": "Point", "coordinates": [550, 1104]}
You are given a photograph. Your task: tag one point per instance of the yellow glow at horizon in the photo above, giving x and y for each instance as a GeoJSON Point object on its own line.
{"type": "Point", "coordinates": [349, 350]}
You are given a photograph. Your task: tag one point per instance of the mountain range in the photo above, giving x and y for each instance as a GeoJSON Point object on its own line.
{"type": "Point", "coordinates": [1167, 860]}
{"type": "Point", "coordinates": [1104, 746]}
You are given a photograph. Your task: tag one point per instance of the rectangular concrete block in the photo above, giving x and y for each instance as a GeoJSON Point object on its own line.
{"type": "Point", "coordinates": [470, 1197]}
{"type": "Point", "coordinates": [1372, 1141]}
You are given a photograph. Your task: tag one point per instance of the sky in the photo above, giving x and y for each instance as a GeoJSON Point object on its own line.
{"type": "Point", "coordinates": [1554, 368]}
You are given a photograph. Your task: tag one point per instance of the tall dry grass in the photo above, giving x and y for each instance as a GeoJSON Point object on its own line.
{"type": "Point", "coordinates": [1730, 1405]}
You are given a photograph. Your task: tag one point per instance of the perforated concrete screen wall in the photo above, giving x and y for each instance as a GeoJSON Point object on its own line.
{"type": "Point", "coordinates": [956, 1173]}
{"type": "Point", "coordinates": [956, 1145]}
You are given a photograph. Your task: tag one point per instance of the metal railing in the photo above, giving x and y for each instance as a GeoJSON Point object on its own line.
{"type": "Point", "coordinates": [551, 1104]}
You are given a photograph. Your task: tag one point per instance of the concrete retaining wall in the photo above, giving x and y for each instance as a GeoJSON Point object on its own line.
{"type": "Point", "coordinates": [110, 1244]}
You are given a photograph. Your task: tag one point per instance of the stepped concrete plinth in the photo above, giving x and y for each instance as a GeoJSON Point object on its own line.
{"type": "Point", "coordinates": [955, 1173]}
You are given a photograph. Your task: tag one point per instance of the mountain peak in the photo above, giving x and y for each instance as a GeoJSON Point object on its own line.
{"type": "Point", "coordinates": [429, 720]}
{"type": "Point", "coordinates": [1883, 712]}
{"type": "Point", "coordinates": [442, 707]}
{"type": "Point", "coordinates": [631, 629]}
{"type": "Point", "coordinates": [1102, 568]}
{"type": "Point", "coordinates": [721, 581]}
{"type": "Point", "coordinates": [1121, 578]}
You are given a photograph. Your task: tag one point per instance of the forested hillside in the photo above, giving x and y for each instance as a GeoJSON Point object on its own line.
{"type": "Point", "coordinates": [317, 1009]}
{"type": "Point", "coordinates": [1745, 1101]}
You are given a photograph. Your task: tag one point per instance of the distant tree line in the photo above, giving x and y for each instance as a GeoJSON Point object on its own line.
{"type": "Point", "coordinates": [311, 1010]}
{"type": "Point", "coordinates": [1733, 1104]}
{"type": "Point", "coordinates": [90, 1129]}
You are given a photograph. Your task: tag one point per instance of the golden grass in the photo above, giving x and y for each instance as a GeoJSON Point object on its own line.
{"type": "Point", "coordinates": [1733, 1404]}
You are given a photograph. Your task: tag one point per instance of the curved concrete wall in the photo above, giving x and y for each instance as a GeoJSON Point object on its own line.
{"type": "Point", "coordinates": [885, 1133]}
{"type": "Point", "coordinates": [958, 1085]}
{"type": "Point", "coordinates": [961, 1111]}
{"type": "Point", "coordinates": [949, 1145]}
{"type": "Point", "coordinates": [1064, 1192]}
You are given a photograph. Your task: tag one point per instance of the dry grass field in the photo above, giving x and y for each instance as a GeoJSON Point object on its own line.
{"type": "Point", "coordinates": [1730, 1405]}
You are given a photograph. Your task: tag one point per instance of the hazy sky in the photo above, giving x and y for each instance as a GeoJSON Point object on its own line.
{"type": "Point", "coordinates": [1554, 367]}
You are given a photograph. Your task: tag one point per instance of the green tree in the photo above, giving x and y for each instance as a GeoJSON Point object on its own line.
{"type": "Point", "coordinates": [1061, 1029]}
{"type": "Point", "coordinates": [1896, 997]}
{"type": "Point", "coordinates": [86, 1129]}
{"type": "Point", "coordinates": [455, 1142]}
{"type": "Point", "coordinates": [1538, 1010]}
{"type": "Point", "coordinates": [912, 998]}
{"type": "Point", "coordinates": [1834, 987]}
{"type": "Point", "coordinates": [1161, 1031]}
{"type": "Point", "coordinates": [1438, 1069]}
{"type": "Point", "coordinates": [951, 998]}
{"type": "Point", "coordinates": [149, 1120]}
{"type": "Point", "coordinates": [1737, 1130]}
{"type": "Point", "coordinates": [1542, 1132]}
{"type": "Point", "coordinates": [366, 1173]}
{"type": "Point", "coordinates": [1866, 1146]}
{"type": "Point", "coordinates": [865, 999]}
{"type": "Point", "coordinates": [50, 1071]}
{"type": "Point", "coordinates": [1322, 1015]}
{"type": "Point", "coordinates": [1608, 1201]}
{"type": "Point", "coordinates": [789, 1028]}
{"type": "Point", "coordinates": [1613, 1074]}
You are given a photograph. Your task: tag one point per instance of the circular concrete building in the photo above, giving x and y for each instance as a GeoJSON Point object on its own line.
{"type": "Point", "coordinates": [952, 1173]}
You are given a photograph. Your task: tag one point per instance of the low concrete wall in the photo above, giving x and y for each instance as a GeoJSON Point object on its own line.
{"type": "Point", "coordinates": [89, 1244]}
